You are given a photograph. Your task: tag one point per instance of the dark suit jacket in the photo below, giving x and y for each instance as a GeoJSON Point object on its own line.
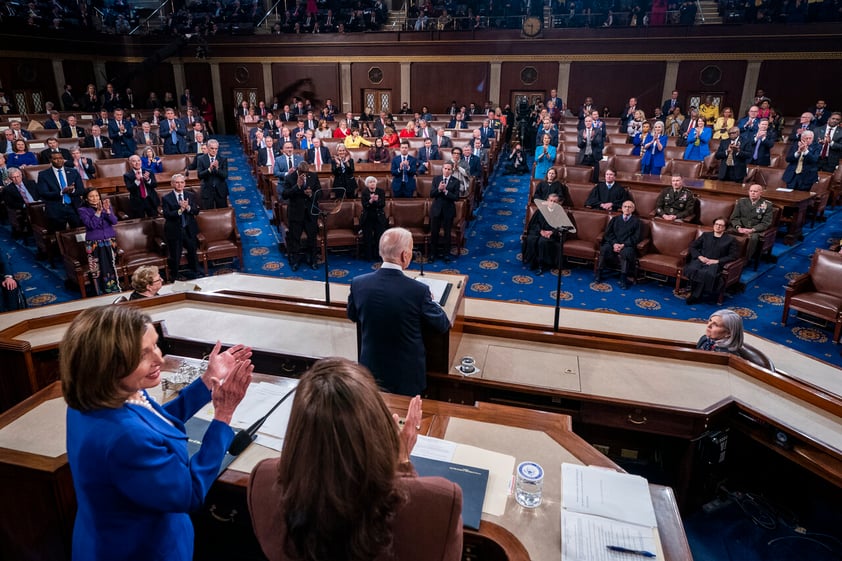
{"type": "Point", "coordinates": [180, 146]}
{"type": "Point", "coordinates": [122, 143]}
{"type": "Point", "coordinates": [444, 203]}
{"type": "Point", "coordinates": [213, 180]}
{"type": "Point", "coordinates": [51, 125]}
{"type": "Point", "coordinates": [128, 444]}
{"type": "Point", "coordinates": [140, 138]}
{"type": "Point", "coordinates": [397, 174]}
{"type": "Point", "coordinates": [596, 146]}
{"type": "Point", "coordinates": [12, 197]}
{"type": "Point", "coordinates": [172, 219]}
{"type": "Point", "coordinates": [835, 149]}
{"type": "Point", "coordinates": [667, 108]}
{"type": "Point", "coordinates": [135, 201]}
{"type": "Point", "coordinates": [45, 156]}
{"type": "Point", "coordinates": [809, 168]}
{"type": "Point", "coordinates": [474, 166]}
{"type": "Point", "coordinates": [50, 191]}
{"type": "Point", "coordinates": [263, 155]}
{"type": "Point", "coordinates": [427, 528]}
{"type": "Point", "coordinates": [747, 146]}
{"type": "Point", "coordinates": [391, 310]}
{"type": "Point", "coordinates": [300, 204]}
{"type": "Point", "coordinates": [372, 210]}
{"type": "Point", "coordinates": [89, 142]}
{"type": "Point", "coordinates": [795, 135]}
{"type": "Point", "coordinates": [739, 160]}
{"type": "Point", "coordinates": [423, 158]}
{"type": "Point", "coordinates": [311, 155]}
{"type": "Point", "coordinates": [87, 164]}
{"type": "Point", "coordinates": [66, 132]}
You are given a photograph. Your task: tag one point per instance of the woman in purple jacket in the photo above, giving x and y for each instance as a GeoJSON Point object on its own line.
{"type": "Point", "coordinates": [100, 242]}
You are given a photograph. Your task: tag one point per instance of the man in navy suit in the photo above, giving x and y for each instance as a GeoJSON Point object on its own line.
{"type": "Point", "coordinates": [444, 192]}
{"type": "Point", "coordinates": [267, 155]}
{"type": "Point", "coordinates": [803, 158]}
{"type": "Point", "coordinates": [180, 226]}
{"type": "Point", "coordinates": [282, 165]}
{"type": "Point", "coordinates": [61, 190]}
{"type": "Point", "coordinates": [10, 293]}
{"type": "Point", "coordinates": [141, 185]}
{"type": "Point", "coordinates": [429, 152]}
{"type": "Point", "coordinates": [174, 133]}
{"type": "Point", "coordinates": [120, 133]}
{"type": "Point", "coordinates": [391, 310]}
{"type": "Point", "coordinates": [404, 167]}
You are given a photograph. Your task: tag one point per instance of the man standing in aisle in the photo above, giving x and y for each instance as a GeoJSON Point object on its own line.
{"type": "Point", "coordinates": [213, 173]}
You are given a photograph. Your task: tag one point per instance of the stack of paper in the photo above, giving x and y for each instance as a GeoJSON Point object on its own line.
{"type": "Point", "coordinates": [602, 508]}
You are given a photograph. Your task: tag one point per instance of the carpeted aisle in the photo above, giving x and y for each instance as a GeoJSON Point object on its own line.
{"type": "Point", "coordinates": [491, 259]}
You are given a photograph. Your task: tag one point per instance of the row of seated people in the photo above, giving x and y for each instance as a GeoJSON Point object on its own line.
{"type": "Point", "coordinates": [657, 248]}
{"type": "Point", "coordinates": [142, 242]}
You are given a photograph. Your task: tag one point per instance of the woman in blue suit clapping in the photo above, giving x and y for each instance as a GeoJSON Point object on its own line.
{"type": "Point", "coordinates": [150, 161]}
{"type": "Point", "coordinates": [135, 482]}
{"type": "Point", "coordinates": [653, 150]}
{"type": "Point", "coordinates": [697, 142]}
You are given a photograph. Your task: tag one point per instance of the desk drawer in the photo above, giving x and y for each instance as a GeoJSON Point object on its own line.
{"type": "Point", "coordinates": [643, 419]}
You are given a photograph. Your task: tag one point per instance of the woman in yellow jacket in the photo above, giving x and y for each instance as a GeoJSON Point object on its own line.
{"type": "Point", "coordinates": [354, 140]}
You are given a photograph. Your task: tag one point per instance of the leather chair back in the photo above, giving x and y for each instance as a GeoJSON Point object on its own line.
{"type": "Point", "coordinates": [619, 149]}
{"type": "Point", "coordinates": [590, 224]}
{"type": "Point", "coordinates": [616, 138]}
{"type": "Point", "coordinates": [578, 174]}
{"type": "Point", "coordinates": [627, 164]}
{"type": "Point", "coordinates": [685, 168]}
{"type": "Point", "coordinates": [826, 272]}
{"type": "Point", "coordinates": [175, 163]}
{"type": "Point", "coordinates": [111, 168]}
{"type": "Point", "coordinates": [579, 193]}
{"type": "Point", "coordinates": [31, 172]}
{"type": "Point", "coordinates": [711, 208]}
{"type": "Point", "coordinates": [423, 185]}
{"type": "Point", "coordinates": [567, 158]}
{"type": "Point", "coordinates": [670, 239]}
{"type": "Point", "coordinates": [644, 201]}
{"type": "Point", "coordinates": [770, 178]}
{"type": "Point", "coordinates": [673, 152]}
{"type": "Point", "coordinates": [361, 153]}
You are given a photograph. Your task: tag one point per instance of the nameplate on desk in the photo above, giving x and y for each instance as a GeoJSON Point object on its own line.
{"type": "Point", "coordinates": [471, 480]}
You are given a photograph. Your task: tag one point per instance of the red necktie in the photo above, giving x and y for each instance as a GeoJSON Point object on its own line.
{"type": "Point", "coordinates": [141, 184]}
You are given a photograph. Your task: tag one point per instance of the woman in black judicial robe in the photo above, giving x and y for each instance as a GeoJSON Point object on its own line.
{"type": "Point", "coordinates": [552, 185]}
{"type": "Point", "coordinates": [709, 253]}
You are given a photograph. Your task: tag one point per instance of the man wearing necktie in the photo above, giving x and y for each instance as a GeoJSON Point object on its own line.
{"type": "Point", "coordinates": [19, 192]}
{"type": "Point", "coordinates": [620, 244]}
{"type": "Point", "coordinates": [756, 146]}
{"type": "Point", "coordinates": [749, 122]}
{"type": "Point", "coordinates": [120, 133]}
{"type": "Point", "coordinates": [403, 168]}
{"type": "Point", "coordinates": [83, 166]}
{"type": "Point", "coordinates": [429, 152]}
{"type": "Point", "coordinates": [174, 133]}
{"type": "Point", "coordinates": [830, 138]}
{"type": "Point", "coordinates": [61, 190]}
{"type": "Point", "coordinates": [267, 155]}
{"type": "Point", "coordinates": [445, 193]}
{"type": "Point", "coordinates": [180, 227]}
{"type": "Point", "coordinates": [805, 123]}
{"type": "Point", "coordinates": [803, 158]}
{"type": "Point", "coordinates": [143, 198]}
{"type": "Point", "coordinates": [213, 173]}
{"type": "Point", "coordinates": [96, 140]}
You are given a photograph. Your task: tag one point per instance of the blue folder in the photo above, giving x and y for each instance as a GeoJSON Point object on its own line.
{"type": "Point", "coordinates": [472, 480]}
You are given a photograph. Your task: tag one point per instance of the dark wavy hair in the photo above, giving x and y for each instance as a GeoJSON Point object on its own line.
{"type": "Point", "coordinates": [338, 466]}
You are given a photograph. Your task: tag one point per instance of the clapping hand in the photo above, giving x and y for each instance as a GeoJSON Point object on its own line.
{"type": "Point", "coordinates": [220, 364]}
{"type": "Point", "coordinates": [411, 426]}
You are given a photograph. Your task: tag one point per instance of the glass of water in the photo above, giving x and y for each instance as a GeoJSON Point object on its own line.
{"type": "Point", "coordinates": [529, 484]}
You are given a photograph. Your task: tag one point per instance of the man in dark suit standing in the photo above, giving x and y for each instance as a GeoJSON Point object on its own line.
{"type": "Point", "coordinates": [732, 160]}
{"type": "Point", "coordinates": [61, 190]}
{"type": "Point", "coordinates": [590, 148]}
{"type": "Point", "coordinates": [757, 145]}
{"type": "Point", "coordinates": [174, 133]}
{"type": "Point", "coordinates": [120, 133]}
{"type": "Point", "coordinates": [830, 139]}
{"type": "Point", "coordinates": [444, 192]}
{"type": "Point", "coordinates": [141, 185]}
{"type": "Point", "coordinates": [300, 188]}
{"type": "Point", "coordinates": [318, 154]}
{"type": "Point", "coordinates": [391, 310]}
{"type": "Point", "coordinates": [620, 244]}
{"type": "Point", "coordinates": [180, 227]}
{"type": "Point", "coordinates": [670, 104]}
{"type": "Point", "coordinates": [404, 167]}
{"type": "Point", "coordinates": [213, 173]}
{"type": "Point", "coordinates": [11, 298]}
{"type": "Point", "coordinates": [803, 168]}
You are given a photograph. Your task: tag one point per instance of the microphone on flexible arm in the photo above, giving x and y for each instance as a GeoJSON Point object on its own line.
{"type": "Point", "coordinates": [245, 437]}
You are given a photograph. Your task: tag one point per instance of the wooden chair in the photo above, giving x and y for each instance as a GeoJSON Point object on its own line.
{"type": "Point", "coordinates": [414, 215]}
{"type": "Point", "coordinates": [218, 236]}
{"type": "Point", "coordinates": [644, 202]}
{"type": "Point", "coordinates": [111, 168]}
{"type": "Point", "coordinates": [819, 291]}
{"type": "Point", "coordinates": [712, 208]}
{"type": "Point", "coordinates": [139, 243]}
{"type": "Point", "coordinates": [45, 239]}
{"type": "Point", "coordinates": [687, 169]}
{"type": "Point", "coordinates": [732, 271]}
{"type": "Point", "coordinates": [578, 174]}
{"type": "Point", "coordinates": [626, 165]}
{"type": "Point", "coordinates": [583, 245]}
{"type": "Point", "coordinates": [342, 226]}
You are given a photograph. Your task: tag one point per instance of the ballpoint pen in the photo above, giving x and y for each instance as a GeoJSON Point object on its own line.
{"type": "Point", "coordinates": [641, 552]}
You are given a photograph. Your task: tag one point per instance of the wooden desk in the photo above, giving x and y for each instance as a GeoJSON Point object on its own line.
{"type": "Point", "coordinates": [38, 487]}
{"type": "Point", "coordinates": [796, 201]}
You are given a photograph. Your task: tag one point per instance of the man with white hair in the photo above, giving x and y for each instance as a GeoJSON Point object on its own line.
{"type": "Point", "coordinates": [213, 173]}
{"type": "Point", "coordinates": [803, 158]}
{"type": "Point", "coordinates": [391, 309]}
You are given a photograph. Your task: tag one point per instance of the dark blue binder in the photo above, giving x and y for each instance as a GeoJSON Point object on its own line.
{"type": "Point", "coordinates": [472, 480]}
{"type": "Point", "coordinates": [196, 428]}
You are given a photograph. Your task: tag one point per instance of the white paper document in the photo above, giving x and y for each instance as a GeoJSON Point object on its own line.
{"type": "Point", "coordinates": [437, 287]}
{"type": "Point", "coordinates": [601, 508]}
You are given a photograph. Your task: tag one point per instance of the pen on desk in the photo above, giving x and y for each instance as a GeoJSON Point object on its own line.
{"type": "Point", "coordinates": [640, 552]}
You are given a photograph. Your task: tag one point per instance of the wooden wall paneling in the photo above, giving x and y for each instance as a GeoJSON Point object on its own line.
{"type": "Point", "coordinates": [390, 80]}
{"type": "Point", "coordinates": [512, 75]}
{"type": "Point", "coordinates": [613, 83]}
{"type": "Point", "coordinates": [795, 85]}
{"type": "Point", "coordinates": [317, 82]}
{"type": "Point", "coordinates": [692, 75]}
{"type": "Point", "coordinates": [197, 78]}
{"type": "Point", "coordinates": [29, 74]}
{"type": "Point", "coordinates": [436, 84]}
{"type": "Point", "coordinates": [238, 75]}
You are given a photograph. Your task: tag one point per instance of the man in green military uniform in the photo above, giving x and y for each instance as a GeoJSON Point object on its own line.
{"type": "Point", "coordinates": [752, 215]}
{"type": "Point", "coordinates": [676, 203]}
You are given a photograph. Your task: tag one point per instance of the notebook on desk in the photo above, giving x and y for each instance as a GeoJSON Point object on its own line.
{"type": "Point", "coordinates": [471, 480]}
{"type": "Point", "coordinates": [196, 428]}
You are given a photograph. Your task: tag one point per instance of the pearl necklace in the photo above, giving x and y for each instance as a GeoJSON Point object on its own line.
{"type": "Point", "coordinates": [141, 401]}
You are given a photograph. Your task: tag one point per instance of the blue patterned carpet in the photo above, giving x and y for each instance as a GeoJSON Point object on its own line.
{"type": "Point", "coordinates": [491, 259]}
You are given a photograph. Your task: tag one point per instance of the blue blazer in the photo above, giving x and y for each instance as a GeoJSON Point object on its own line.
{"type": "Point", "coordinates": [391, 309]}
{"type": "Point", "coordinates": [698, 153]}
{"type": "Point", "coordinates": [134, 482]}
{"type": "Point", "coordinates": [164, 133]}
{"type": "Point", "coordinates": [656, 159]}
{"type": "Point", "coordinates": [397, 174]}
{"type": "Point", "coordinates": [809, 168]}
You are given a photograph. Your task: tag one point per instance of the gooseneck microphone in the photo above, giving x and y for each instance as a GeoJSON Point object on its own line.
{"type": "Point", "coordinates": [246, 436]}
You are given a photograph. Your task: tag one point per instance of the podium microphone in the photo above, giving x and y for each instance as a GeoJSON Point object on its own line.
{"type": "Point", "coordinates": [420, 262]}
{"type": "Point", "coordinates": [246, 436]}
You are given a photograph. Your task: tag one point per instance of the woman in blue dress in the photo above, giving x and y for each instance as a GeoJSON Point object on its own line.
{"type": "Point", "coordinates": [639, 137]}
{"type": "Point", "coordinates": [697, 142]}
{"type": "Point", "coordinates": [653, 150]}
{"type": "Point", "coordinates": [544, 157]}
